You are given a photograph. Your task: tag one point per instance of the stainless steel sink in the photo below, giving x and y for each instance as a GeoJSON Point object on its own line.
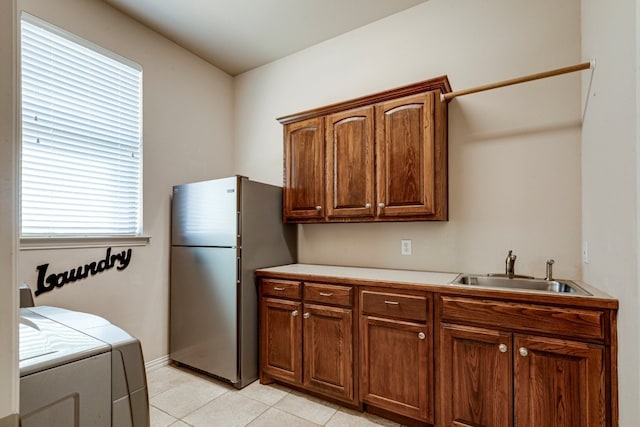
{"type": "Point", "coordinates": [541, 285]}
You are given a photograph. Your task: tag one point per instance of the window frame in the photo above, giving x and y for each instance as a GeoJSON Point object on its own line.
{"type": "Point", "coordinates": [79, 239]}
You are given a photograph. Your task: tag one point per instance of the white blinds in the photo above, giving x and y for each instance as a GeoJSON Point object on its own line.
{"type": "Point", "coordinates": [81, 137]}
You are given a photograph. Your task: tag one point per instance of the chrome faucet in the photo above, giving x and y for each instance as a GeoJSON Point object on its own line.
{"type": "Point", "coordinates": [549, 275]}
{"type": "Point", "coordinates": [510, 265]}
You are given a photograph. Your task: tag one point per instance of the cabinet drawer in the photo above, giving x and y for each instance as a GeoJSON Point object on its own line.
{"type": "Point", "coordinates": [281, 288]}
{"type": "Point", "coordinates": [328, 294]}
{"type": "Point", "coordinates": [401, 306]}
{"type": "Point", "coordinates": [572, 322]}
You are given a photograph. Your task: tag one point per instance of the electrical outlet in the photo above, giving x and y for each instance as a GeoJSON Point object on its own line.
{"type": "Point", "coordinates": [585, 252]}
{"type": "Point", "coordinates": [405, 247]}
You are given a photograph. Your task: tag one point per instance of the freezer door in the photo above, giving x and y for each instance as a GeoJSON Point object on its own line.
{"type": "Point", "coordinates": [205, 213]}
{"type": "Point", "coordinates": [203, 311]}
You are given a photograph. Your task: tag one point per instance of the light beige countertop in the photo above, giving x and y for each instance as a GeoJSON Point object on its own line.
{"type": "Point", "coordinates": [360, 273]}
{"type": "Point", "coordinates": [440, 281]}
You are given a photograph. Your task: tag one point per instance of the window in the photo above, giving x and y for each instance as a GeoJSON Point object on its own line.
{"type": "Point", "coordinates": [81, 137]}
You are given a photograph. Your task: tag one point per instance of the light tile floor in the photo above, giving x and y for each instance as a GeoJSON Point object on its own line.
{"type": "Point", "coordinates": [180, 397]}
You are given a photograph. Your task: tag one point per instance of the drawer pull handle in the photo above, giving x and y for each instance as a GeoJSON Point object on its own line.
{"type": "Point", "coordinates": [421, 335]}
{"type": "Point", "coordinates": [277, 288]}
{"type": "Point", "coordinates": [294, 313]}
{"type": "Point", "coordinates": [326, 294]}
{"type": "Point", "coordinates": [306, 315]}
{"type": "Point", "coordinates": [523, 352]}
{"type": "Point", "coordinates": [391, 302]}
{"type": "Point", "coordinates": [502, 348]}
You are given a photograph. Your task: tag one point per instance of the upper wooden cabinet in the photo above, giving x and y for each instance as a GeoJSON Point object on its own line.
{"type": "Point", "coordinates": [406, 143]}
{"type": "Point", "coordinates": [378, 158]}
{"type": "Point", "coordinates": [304, 155]}
{"type": "Point", "coordinates": [350, 164]}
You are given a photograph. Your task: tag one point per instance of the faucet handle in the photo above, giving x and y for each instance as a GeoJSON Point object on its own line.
{"type": "Point", "coordinates": [509, 264]}
{"type": "Point", "coordinates": [549, 275]}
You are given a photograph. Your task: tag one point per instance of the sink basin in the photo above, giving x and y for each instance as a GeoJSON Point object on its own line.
{"type": "Point", "coordinates": [555, 286]}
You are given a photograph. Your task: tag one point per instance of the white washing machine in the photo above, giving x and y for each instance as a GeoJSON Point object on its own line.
{"type": "Point", "coordinates": [77, 369]}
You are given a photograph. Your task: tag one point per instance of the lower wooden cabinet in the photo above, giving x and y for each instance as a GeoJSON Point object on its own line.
{"type": "Point", "coordinates": [476, 380]}
{"type": "Point", "coordinates": [280, 332]}
{"type": "Point", "coordinates": [495, 378]}
{"type": "Point", "coordinates": [443, 358]}
{"type": "Point", "coordinates": [309, 344]}
{"type": "Point", "coordinates": [558, 383]}
{"type": "Point", "coordinates": [396, 353]}
{"type": "Point", "coordinates": [395, 368]}
{"type": "Point", "coordinates": [328, 351]}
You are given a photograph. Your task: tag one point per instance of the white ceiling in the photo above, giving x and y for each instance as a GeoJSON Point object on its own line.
{"type": "Point", "coordinates": [238, 35]}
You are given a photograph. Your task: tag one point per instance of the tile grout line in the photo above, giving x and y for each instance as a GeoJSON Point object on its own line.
{"type": "Point", "coordinates": [202, 406]}
{"type": "Point", "coordinates": [163, 411]}
{"type": "Point", "coordinates": [288, 413]}
{"type": "Point", "coordinates": [213, 380]}
{"type": "Point", "coordinates": [286, 392]}
{"type": "Point", "coordinates": [259, 415]}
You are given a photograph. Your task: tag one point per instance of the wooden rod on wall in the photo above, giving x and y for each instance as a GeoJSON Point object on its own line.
{"type": "Point", "coordinates": [558, 71]}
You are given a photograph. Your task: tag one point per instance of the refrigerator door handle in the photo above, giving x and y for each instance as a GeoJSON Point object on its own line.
{"type": "Point", "coordinates": [238, 270]}
{"type": "Point", "coordinates": [239, 224]}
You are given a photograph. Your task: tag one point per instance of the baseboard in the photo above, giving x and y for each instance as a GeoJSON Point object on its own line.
{"type": "Point", "coordinates": [12, 420]}
{"type": "Point", "coordinates": [154, 364]}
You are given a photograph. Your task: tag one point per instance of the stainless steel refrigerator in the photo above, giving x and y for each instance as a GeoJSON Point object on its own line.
{"type": "Point", "coordinates": [221, 231]}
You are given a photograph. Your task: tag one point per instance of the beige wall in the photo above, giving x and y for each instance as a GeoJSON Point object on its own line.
{"type": "Point", "coordinates": [517, 170]}
{"type": "Point", "coordinates": [514, 152]}
{"type": "Point", "coordinates": [8, 289]}
{"type": "Point", "coordinates": [610, 149]}
{"type": "Point", "coordinates": [187, 132]}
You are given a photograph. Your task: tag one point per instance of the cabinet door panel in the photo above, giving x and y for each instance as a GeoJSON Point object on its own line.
{"type": "Point", "coordinates": [475, 377]}
{"type": "Point", "coordinates": [281, 339]}
{"type": "Point", "coordinates": [558, 383]}
{"type": "Point", "coordinates": [405, 141]}
{"type": "Point", "coordinates": [397, 367]}
{"type": "Point", "coordinates": [328, 350]}
{"type": "Point", "coordinates": [350, 164]}
{"type": "Point", "coordinates": [304, 164]}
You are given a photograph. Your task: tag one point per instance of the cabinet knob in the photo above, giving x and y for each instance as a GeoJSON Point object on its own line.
{"type": "Point", "coordinates": [294, 313]}
{"type": "Point", "coordinates": [306, 315]}
{"type": "Point", "coordinates": [381, 205]}
{"type": "Point", "coordinates": [523, 352]}
{"type": "Point", "coordinates": [421, 335]}
{"type": "Point", "coordinates": [367, 205]}
{"type": "Point", "coordinates": [502, 348]}
{"type": "Point", "coordinates": [318, 208]}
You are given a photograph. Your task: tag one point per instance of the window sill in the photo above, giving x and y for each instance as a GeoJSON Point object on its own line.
{"type": "Point", "coordinates": [39, 243]}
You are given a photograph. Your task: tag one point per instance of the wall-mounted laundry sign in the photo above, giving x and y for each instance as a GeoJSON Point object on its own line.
{"type": "Point", "coordinates": [47, 283]}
